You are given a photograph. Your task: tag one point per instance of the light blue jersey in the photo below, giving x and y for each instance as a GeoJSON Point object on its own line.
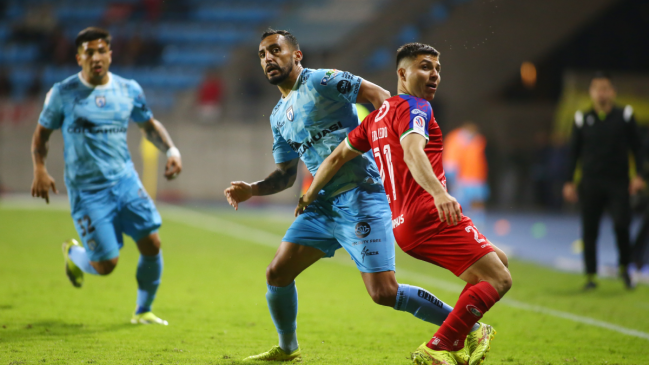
{"type": "Point", "coordinates": [93, 121]}
{"type": "Point", "coordinates": [313, 119]}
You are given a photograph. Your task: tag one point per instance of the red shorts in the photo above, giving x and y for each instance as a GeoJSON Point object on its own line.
{"type": "Point", "coordinates": [454, 248]}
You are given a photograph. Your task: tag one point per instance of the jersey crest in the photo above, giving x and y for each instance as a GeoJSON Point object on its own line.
{"type": "Point", "coordinates": [289, 114]}
{"type": "Point", "coordinates": [100, 100]}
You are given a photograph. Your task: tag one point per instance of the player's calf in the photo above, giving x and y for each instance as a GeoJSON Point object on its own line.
{"type": "Point", "coordinates": [491, 269]}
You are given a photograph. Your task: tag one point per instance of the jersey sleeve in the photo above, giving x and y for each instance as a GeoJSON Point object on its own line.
{"type": "Point", "coordinates": [141, 112]}
{"type": "Point", "coordinates": [357, 140]}
{"type": "Point", "coordinates": [414, 117]}
{"type": "Point", "coordinates": [336, 85]}
{"type": "Point", "coordinates": [282, 151]}
{"type": "Point", "coordinates": [52, 115]}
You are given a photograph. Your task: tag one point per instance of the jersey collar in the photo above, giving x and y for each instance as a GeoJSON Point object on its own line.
{"type": "Point", "coordinates": [296, 85]}
{"type": "Point", "coordinates": [98, 87]}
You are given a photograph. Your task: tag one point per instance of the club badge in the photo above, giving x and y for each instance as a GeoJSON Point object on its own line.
{"type": "Point", "coordinates": [289, 114]}
{"type": "Point", "coordinates": [100, 101]}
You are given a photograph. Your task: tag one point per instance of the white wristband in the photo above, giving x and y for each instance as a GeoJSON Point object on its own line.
{"type": "Point", "coordinates": [173, 152]}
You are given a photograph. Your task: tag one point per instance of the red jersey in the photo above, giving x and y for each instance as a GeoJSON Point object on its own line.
{"type": "Point", "coordinates": [413, 209]}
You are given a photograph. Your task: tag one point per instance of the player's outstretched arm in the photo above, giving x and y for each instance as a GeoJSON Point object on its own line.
{"type": "Point", "coordinates": [326, 172]}
{"type": "Point", "coordinates": [280, 179]}
{"type": "Point", "coordinates": [372, 93]}
{"type": "Point", "coordinates": [157, 134]}
{"type": "Point", "coordinates": [42, 180]}
{"type": "Point", "coordinates": [413, 154]}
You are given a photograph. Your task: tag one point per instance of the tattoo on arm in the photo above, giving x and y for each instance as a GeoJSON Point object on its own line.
{"type": "Point", "coordinates": [156, 133]}
{"type": "Point", "coordinates": [40, 145]}
{"type": "Point", "coordinates": [279, 180]}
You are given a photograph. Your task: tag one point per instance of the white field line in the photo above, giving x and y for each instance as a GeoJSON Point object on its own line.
{"type": "Point", "coordinates": [257, 236]}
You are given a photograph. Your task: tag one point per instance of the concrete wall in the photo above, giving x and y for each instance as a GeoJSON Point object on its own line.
{"type": "Point", "coordinates": [213, 155]}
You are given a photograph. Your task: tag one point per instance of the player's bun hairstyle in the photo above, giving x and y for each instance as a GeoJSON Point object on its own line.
{"type": "Point", "coordinates": [601, 75]}
{"type": "Point", "coordinates": [91, 34]}
{"type": "Point", "coordinates": [412, 50]}
{"type": "Point", "coordinates": [285, 33]}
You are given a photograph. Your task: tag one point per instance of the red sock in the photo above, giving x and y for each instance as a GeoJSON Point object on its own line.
{"type": "Point", "coordinates": [467, 286]}
{"type": "Point", "coordinates": [473, 303]}
{"type": "Point", "coordinates": [461, 339]}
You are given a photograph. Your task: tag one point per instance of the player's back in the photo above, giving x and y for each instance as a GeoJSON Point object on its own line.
{"type": "Point", "coordinates": [94, 121]}
{"type": "Point", "coordinates": [382, 132]}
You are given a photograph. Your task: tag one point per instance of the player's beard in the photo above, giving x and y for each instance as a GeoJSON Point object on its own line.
{"type": "Point", "coordinates": [283, 74]}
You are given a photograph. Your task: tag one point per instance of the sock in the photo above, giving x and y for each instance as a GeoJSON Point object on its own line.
{"type": "Point", "coordinates": [421, 304]}
{"type": "Point", "coordinates": [149, 271]}
{"type": "Point", "coordinates": [282, 303]}
{"type": "Point", "coordinates": [80, 258]}
{"type": "Point", "coordinates": [471, 306]}
{"type": "Point", "coordinates": [476, 326]}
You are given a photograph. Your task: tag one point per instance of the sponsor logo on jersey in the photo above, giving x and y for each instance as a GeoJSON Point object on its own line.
{"type": "Point", "coordinates": [289, 113]}
{"type": "Point", "coordinates": [383, 111]}
{"type": "Point", "coordinates": [100, 100]}
{"type": "Point", "coordinates": [396, 222]}
{"type": "Point", "coordinates": [83, 125]}
{"type": "Point", "coordinates": [429, 297]}
{"type": "Point", "coordinates": [344, 86]}
{"type": "Point", "coordinates": [367, 252]}
{"type": "Point", "coordinates": [300, 148]}
{"type": "Point", "coordinates": [418, 112]}
{"type": "Point", "coordinates": [366, 242]}
{"type": "Point", "coordinates": [473, 310]}
{"type": "Point", "coordinates": [280, 123]}
{"type": "Point", "coordinates": [363, 230]}
{"type": "Point", "coordinates": [328, 76]}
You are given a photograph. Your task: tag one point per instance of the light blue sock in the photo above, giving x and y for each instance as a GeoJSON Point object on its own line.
{"type": "Point", "coordinates": [149, 271]}
{"type": "Point", "coordinates": [78, 256]}
{"type": "Point", "coordinates": [282, 303]}
{"type": "Point", "coordinates": [423, 305]}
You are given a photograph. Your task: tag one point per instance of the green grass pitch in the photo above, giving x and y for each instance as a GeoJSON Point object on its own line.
{"type": "Point", "coordinates": [213, 289]}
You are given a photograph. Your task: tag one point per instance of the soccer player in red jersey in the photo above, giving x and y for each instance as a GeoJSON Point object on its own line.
{"type": "Point", "coordinates": [428, 223]}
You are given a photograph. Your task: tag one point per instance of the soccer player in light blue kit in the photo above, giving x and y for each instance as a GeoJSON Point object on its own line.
{"type": "Point", "coordinates": [313, 116]}
{"type": "Point", "coordinates": [93, 109]}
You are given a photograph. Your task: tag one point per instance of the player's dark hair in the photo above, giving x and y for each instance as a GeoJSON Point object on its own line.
{"type": "Point", "coordinates": [601, 75]}
{"type": "Point", "coordinates": [285, 33]}
{"type": "Point", "coordinates": [412, 50]}
{"type": "Point", "coordinates": [92, 34]}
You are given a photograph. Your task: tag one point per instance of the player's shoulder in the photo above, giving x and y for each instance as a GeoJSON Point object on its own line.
{"type": "Point", "coordinates": [69, 84]}
{"type": "Point", "coordinates": [123, 82]}
{"type": "Point", "coordinates": [417, 106]}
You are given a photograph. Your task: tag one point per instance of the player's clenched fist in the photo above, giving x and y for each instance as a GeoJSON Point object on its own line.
{"type": "Point", "coordinates": [173, 167]}
{"type": "Point", "coordinates": [239, 191]}
{"type": "Point", "coordinates": [42, 184]}
{"type": "Point", "coordinates": [448, 209]}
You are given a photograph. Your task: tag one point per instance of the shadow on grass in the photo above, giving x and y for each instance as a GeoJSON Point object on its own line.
{"type": "Point", "coordinates": [53, 329]}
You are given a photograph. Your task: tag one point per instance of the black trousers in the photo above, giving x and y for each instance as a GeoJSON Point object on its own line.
{"type": "Point", "coordinates": [639, 252]}
{"type": "Point", "coordinates": [597, 195]}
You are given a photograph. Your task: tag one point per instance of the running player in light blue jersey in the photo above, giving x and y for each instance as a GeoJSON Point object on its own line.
{"type": "Point", "coordinates": [315, 114]}
{"type": "Point", "coordinates": [107, 199]}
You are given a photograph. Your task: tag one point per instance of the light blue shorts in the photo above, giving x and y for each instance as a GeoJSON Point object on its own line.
{"type": "Point", "coordinates": [358, 220]}
{"type": "Point", "coordinates": [102, 216]}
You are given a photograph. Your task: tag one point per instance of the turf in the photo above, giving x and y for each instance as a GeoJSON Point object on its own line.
{"type": "Point", "coordinates": [213, 297]}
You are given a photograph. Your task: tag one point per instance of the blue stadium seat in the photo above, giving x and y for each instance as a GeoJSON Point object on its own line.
{"type": "Point", "coordinates": [18, 54]}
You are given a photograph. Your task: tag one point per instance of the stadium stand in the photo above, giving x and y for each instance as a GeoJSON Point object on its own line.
{"type": "Point", "coordinates": [191, 37]}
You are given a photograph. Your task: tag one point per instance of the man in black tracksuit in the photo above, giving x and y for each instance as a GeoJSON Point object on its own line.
{"type": "Point", "coordinates": [601, 140]}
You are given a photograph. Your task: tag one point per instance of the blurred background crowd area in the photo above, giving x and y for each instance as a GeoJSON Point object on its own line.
{"type": "Point", "coordinates": [517, 71]}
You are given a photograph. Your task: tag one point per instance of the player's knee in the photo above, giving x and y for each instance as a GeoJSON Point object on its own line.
{"type": "Point", "coordinates": [275, 276]}
{"type": "Point", "coordinates": [104, 267]}
{"type": "Point", "coordinates": [386, 296]}
{"type": "Point", "coordinates": [503, 282]}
